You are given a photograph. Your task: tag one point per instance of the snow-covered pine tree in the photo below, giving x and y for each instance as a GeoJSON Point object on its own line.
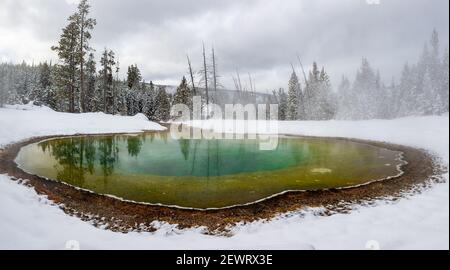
{"type": "Point", "coordinates": [106, 80]}
{"type": "Point", "coordinates": [183, 94]}
{"type": "Point", "coordinates": [436, 74]}
{"type": "Point", "coordinates": [133, 77]}
{"type": "Point", "coordinates": [91, 102]}
{"type": "Point", "coordinates": [311, 92]}
{"type": "Point", "coordinates": [45, 76]}
{"type": "Point", "coordinates": [346, 100]}
{"type": "Point", "coordinates": [68, 66]}
{"type": "Point", "coordinates": [423, 85]}
{"type": "Point", "coordinates": [44, 91]}
{"type": "Point", "coordinates": [150, 104]}
{"type": "Point", "coordinates": [122, 98]}
{"type": "Point", "coordinates": [282, 99]}
{"type": "Point", "coordinates": [444, 83]}
{"type": "Point", "coordinates": [131, 100]}
{"type": "Point", "coordinates": [389, 100]}
{"type": "Point", "coordinates": [3, 85]}
{"type": "Point", "coordinates": [404, 97]}
{"type": "Point", "coordinates": [425, 90]}
{"type": "Point", "coordinates": [134, 93]}
{"type": "Point", "coordinates": [325, 100]}
{"type": "Point", "coordinates": [19, 82]}
{"type": "Point", "coordinates": [427, 102]}
{"type": "Point", "coordinates": [24, 83]}
{"type": "Point", "coordinates": [163, 105]}
{"type": "Point", "coordinates": [294, 92]}
{"type": "Point", "coordinates": [366, 88]}
{"type": "Point", "coordinates": [318, 99]}
{"type": "Point", "coordinates": [85, 26]}
{"type": "Point", "coordinates": [117, 89]}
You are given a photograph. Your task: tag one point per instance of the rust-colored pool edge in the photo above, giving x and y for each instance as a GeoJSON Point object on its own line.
{"type": "Point", "coordinates": [421, 171]}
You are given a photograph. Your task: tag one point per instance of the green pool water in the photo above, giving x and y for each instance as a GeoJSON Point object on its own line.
{"type": "Point", "coordinates": [155, 168]}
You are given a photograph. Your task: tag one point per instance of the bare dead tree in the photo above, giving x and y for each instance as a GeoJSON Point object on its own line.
{"type": "Point", "coordinates": [205, 71]}
{"type": "Point", "coordinates": [214, 70]}
{"type": "Point", "coordinates": [236, 85]}
{"type": "Point", "coordinates": [251, 83]}
{"type": "Point", "coordinates": [191, 74]}
{"type": "Point", "coordinates": [304, 97]}
{"type": "Point", "coordinates": [239, 80]}
{"type": "Point", "coordinates": [303, 70]}
{"type": "Point", "coordinates": [293, 68]}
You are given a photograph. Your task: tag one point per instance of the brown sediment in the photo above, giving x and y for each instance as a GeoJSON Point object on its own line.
{"type": "Point", "coordinates": [117, 215]}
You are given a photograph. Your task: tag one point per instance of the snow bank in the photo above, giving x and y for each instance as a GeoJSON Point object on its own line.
{"type": "Point", "coordinates": [417, 222]}
{"type": "Point", "coordinates": [430, 133]}
{"type": "Point", "coordinates": [19, 122]}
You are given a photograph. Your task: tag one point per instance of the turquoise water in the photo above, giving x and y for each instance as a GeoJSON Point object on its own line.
{"type": "Point", "coordinates": [155, 168]}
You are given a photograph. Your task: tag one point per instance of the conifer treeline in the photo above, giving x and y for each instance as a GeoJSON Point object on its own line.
{"type": "Point", "coordinates": [423, 89]}
{"type": "Point", "coordinates": [75, 85]}
{"type": "Point", "coordinates": [315, 101]}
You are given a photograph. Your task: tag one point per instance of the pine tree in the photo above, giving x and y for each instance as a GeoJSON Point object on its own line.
{"type": "Point", "coordinates": [403, 95]}
{"type": "Point", "coordinates": [85, 25]}
{"type": "Point", "coordinates": [326, 101]}
{"type": "Point", "coordinates": [346, 101]}
{"type": "Point", "coordinates": [318, 100]}
{"type": "Point", "coordinates": [91, 103]}
{"type": "Point", "coordinates": [436, 74]}
{"type": "Point", "coordinates": [3, 84]}
{"type": "Point", "coordinates": [133, 77]}
{"type": "Point", "coordinates": [183, 94]}
{"type": "Point", "coordinates": [422, 90]}
{"type": "Point", "coordinates": [117, 96]}
{"type": "Point", "coordinates": [43, 85]}
{"type": "Point", "coordinates": [45, 76]}
{"type": "Point", "coordinates": [163, 109]}
{"type": "Point", "coordinates": [106, 80]}
{"type": "Point", "coordinates": [294, 92]}
{"type": "Point", "coordinates": [282, 100]}
{"type": "Point", "coordinates": [311, 90]}
{"type": "Point", "coordinates": [72, 49]}
{"type": "Point", "coordinates": [428, 103]}
{"type": "Point", "coordinates": [366, 88]}
{"type": "Point", "coordinates": [150, 106]}
{"type": "Point", "coordinates": [68, 67]}
{"type": "Point", "coordinates": [444, 84]}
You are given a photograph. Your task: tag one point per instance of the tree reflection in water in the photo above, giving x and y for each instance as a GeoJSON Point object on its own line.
{"type": "Point", "coordinates": [100, 155]}
{"type": "Point", "coordinates": [134, 145]}
{"type": "Point", "coordinates": [76, 157]}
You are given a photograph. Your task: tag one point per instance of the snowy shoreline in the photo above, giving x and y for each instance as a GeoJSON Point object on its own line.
{"type": "Point", "coordinates": [420, 221]}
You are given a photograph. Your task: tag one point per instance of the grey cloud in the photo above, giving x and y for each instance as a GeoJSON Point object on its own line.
{"type": "Point", "coordinates": [261, 37]}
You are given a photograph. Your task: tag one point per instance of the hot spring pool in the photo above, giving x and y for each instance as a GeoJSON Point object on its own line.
{"type": "Point", "coordinates": [157, 169]}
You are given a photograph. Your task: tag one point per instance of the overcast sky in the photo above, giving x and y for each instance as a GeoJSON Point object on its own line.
{"type": "Point", "coordinates": [258, 37]}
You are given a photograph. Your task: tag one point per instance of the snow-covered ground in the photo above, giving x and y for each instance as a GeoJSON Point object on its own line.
{"type": "Point", "coordinates": [29, 221]}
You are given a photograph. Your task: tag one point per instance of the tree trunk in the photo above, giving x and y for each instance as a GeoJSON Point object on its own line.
{"type": "Point", "coordinates": [206, 75]}
{"type": "Point", "coordinates": [82, 101]}
{"type": "Point", "coordinates": [214, 70]}
{"type": "Point", "coordinates": [192, 75]}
